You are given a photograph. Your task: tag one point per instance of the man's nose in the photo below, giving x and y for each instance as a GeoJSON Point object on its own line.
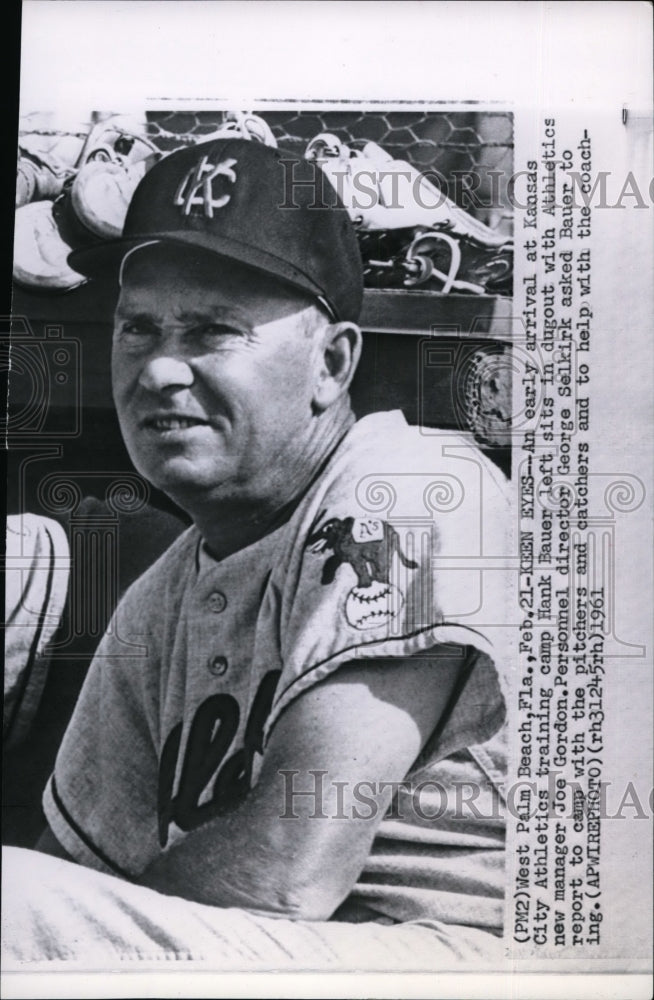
{"type": "Point", "coordinates": [165, 372]}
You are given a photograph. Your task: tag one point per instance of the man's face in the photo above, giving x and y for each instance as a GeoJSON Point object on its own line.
{"type": "Point", "coordinates": [213, 371]}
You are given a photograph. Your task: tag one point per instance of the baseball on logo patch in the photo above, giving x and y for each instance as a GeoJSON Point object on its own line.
{"type": "Point", "coordinates": [370, 607]}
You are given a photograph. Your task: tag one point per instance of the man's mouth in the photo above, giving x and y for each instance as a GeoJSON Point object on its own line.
{"type": "Point", "coordinates": [174, 423]}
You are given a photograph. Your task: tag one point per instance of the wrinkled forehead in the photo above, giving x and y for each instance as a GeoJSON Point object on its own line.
{"type": "Point", "coordinates": [158, 272]}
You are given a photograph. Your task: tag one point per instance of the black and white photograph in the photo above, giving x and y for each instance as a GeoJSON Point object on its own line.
{"type": "Point", "coordinates": [328, 566]}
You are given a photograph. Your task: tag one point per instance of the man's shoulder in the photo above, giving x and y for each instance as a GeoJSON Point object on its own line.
{"type": "Point", "coordinates": [386, 466]}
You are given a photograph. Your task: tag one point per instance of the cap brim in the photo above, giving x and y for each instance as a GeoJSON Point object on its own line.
{"type": "Point", "coordinates": [105, 258]}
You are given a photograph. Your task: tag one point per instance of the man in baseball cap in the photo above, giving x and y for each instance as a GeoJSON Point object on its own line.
{"type": "Point", "coordinates": [301, 657]}
{"type": "Point", "coordinates": [249, 203]}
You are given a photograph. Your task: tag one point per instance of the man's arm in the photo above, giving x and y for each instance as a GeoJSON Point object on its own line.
{"type": "Point", "coordinates": [298, 856]}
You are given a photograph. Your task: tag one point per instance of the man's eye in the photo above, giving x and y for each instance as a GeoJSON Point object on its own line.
{"type": "Point", "coordinates": [134, 337]}
{"type": "Point", "coordinates": [218, 330]}
{"type": "Point", "coordinates": [216, 335]}
{"type": "Point", "coordinates": [136, 330]}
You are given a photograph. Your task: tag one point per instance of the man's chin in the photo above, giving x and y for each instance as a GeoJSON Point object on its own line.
{"type": "Point", "coordinates": [182, 479]}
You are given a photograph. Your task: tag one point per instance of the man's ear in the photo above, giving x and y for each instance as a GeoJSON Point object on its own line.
{"type": "Point", "coordinates": [340, 348]}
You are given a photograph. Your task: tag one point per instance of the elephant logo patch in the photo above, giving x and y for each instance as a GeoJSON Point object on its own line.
{"type": "Point", "coordinates": [368, 545]}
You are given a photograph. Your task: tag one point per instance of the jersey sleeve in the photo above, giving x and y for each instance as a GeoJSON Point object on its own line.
{"type": "Point", "coordinates": [432, 569]}
{"type": "Point", "coordinates": [100, 801]}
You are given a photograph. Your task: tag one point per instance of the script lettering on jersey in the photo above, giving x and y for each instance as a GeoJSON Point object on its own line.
{"type": "Point", "coordinates": [211, 733]}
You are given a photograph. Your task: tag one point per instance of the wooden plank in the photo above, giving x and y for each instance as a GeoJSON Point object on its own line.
{"type": "Point", "coordinates": [411, 312]}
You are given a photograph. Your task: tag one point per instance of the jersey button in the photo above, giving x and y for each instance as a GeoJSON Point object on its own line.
{"type": "Point", "coordinates": [218, 666]}
{"type": "Point", "coordinates": [217, 602]}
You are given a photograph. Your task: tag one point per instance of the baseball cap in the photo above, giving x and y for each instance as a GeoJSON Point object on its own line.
{"type": "Point", "coordinates": [264, 207]}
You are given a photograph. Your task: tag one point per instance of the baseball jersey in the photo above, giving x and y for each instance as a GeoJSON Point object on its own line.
{"type": "Point", "coordinates": [399, 544]}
